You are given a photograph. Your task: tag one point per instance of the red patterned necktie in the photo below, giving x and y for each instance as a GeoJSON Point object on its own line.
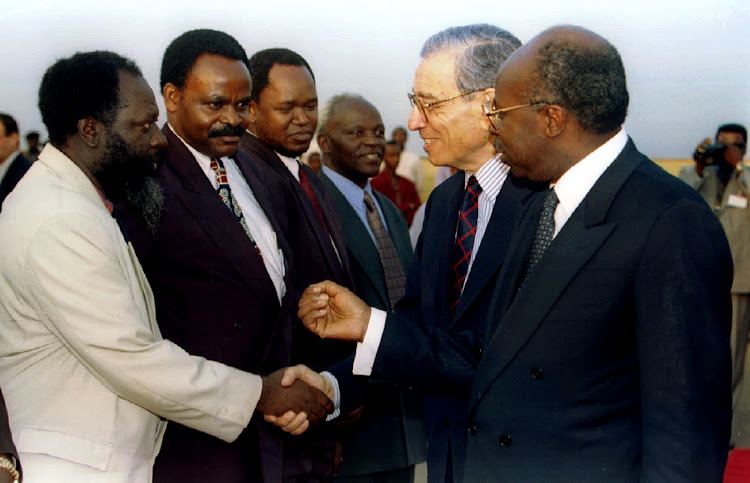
{"type": "Point", "coordinates": [304, 182]}
{"type": "Point", "coordinates": [225, 193]}
{"type": "Point", "coordinates": [465, 233]}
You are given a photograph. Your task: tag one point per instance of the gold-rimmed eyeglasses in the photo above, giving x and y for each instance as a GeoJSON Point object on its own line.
{"type": "Point", "coordinates": [426, 106]}
{"type": "Point", "coordinates": [494, 114]}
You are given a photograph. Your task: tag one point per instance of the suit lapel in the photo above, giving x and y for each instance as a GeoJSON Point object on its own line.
{"type": "Point", "coordinates": [439, 235]}
{"type": "Point", "coordinates": [201, 200]}
{"type": "Point", "coordinates": [335, 260]}
{"type": "Point", "coordinates": [360, 244]}
{"type": "Point", "coordinates": [495, 242]}
{"type": "Point", "coordinates": [584, 233]}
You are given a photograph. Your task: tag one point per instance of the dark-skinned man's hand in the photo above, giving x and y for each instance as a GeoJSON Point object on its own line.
{"type": "Point", "coordinates": [308, 403]}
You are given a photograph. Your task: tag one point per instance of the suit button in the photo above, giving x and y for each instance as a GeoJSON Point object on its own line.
{"type": "Point", "coordinates": [506, 440]}
{"type": "Point", "coordinates": [239, 325]}
{"type": "Point", "coordinates": [472, 429]}
{"type": "Point", "coordinates": [537, 374]}
{"type": "Point", "coordinates": [447, 422]}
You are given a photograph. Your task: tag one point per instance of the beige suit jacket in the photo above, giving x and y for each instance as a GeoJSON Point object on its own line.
{"type": "Point", "coordinates": [86, 374]}
{"type": "Point", "coordinates": [734, 215]}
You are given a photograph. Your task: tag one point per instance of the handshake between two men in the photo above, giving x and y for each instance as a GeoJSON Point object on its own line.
{"type": "Point", "coordinates": [331, 312]}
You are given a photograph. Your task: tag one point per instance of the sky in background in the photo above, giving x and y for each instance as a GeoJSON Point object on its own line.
{"type": "Point", "coordinates": [687, 62]}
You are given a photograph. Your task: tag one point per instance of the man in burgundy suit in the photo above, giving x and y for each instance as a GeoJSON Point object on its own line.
{"type": "Point", "coordinates": [215, 258]}
{"type": "Point", "coordinates": [283, 118]}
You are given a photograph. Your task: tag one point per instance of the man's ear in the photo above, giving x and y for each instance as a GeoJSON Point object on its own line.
{"type": "Point", "coordinates": [90, 131]}
{"type": "Point", "coordinates": [15, 139]}
{"type": "Point", "coordinates": [555, 118]}
{"type": "Point", "coordinates": [252, 111]}
{"type": "Point", "coordinates": [172, 97]}
{"type": "Point", "coordinates": [323, 143]}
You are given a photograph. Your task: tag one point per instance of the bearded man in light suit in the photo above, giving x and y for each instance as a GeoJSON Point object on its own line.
{"type": "Point", "coordinates": [88, 380]}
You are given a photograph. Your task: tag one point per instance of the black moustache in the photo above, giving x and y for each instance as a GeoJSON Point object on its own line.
{"type": "Point", "coordinates": [226, 130]}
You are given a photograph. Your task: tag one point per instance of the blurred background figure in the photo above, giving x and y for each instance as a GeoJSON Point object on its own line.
{"type": "Point", "coordinates": [720, 175]}
{"type": "Point", "coordinates": [401, 191]}
{"type": "Point", "coordinates": [410, 164]}
{"type": "Point", "coordinates": [313, 160]}
{"type": "Point", "coordinates": [13, 164]}
{"type": "Point", "coordinates": [33, 146]}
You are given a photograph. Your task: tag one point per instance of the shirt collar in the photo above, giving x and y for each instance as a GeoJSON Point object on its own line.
{"type": "Point", "coordinates": [577, 181]}
{"type": "Point", "coordinates": [353, 193]}
{"type": "Point", "coordinates": [292, 164]}
{"type": "Point", "coordinates": [490, 176]}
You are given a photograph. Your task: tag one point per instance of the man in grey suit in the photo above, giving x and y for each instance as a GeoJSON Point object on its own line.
{"type": "Point", "coordinates": [387, 440]}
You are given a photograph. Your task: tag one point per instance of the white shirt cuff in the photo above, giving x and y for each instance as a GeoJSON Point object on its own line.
{"type": "Point", "coordinates": [336, 395]}
{"type": "Point", "coordinates": [364, 358]}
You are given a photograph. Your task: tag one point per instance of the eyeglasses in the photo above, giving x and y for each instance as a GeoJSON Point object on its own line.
{"type": "Point", "coordinates": [494, 114]}
{"type": "Point", "coordinates": [424, 107]}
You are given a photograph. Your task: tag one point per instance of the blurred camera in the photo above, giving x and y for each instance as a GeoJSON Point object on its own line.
{"type": "Point", "coordinates": [711, 153]}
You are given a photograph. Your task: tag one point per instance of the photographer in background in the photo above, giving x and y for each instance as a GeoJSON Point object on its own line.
{"type": "Point", "coordinates": [716, 162]}
{"type": "Point", "coordinates": [721, 177]}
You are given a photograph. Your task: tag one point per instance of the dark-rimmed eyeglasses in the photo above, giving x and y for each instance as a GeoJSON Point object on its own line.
{"type": "Point", "coordinates": [424, 107]}
{"type": "Point", "coordinates": [494, 114]}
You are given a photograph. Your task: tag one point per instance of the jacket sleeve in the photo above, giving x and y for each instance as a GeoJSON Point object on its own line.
{"type": "Point", "coordinates": [683, 316]}
{"type": "Point", "coordinates": [86, 289]}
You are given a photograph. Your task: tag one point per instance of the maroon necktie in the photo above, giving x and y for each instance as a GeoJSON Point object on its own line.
{"type": "Point", "coordinates": [304, 182]}
{"type": "Point", "coordinates": [465, 233]}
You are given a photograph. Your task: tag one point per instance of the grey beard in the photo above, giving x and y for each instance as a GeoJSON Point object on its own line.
{"type": "Point", "coordinates": [148, 200]}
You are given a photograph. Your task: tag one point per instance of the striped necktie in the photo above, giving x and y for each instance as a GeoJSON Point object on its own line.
{"type": "Point", "coordinates": [395, 279]}
{"type": "Point", "coordinates": [466, 232]}
{"type": "Point", "coordinates": [225, 193]}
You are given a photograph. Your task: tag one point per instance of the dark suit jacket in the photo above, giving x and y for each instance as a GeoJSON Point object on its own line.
{"type": "Point", "coordinates": [16, 171]}
{"type": "Point", "coordinates": [315, 257]}
{"type": "Point", "coordinates": [6, 441]}
{"type": "Point", "coordinates": [612, 362]}
{"type": "Point", "coordinates": [423, 317]}
{"type": "Point", "coordinates": [390, 433]}
{"type": "Point", "coordinates": [214, 299]}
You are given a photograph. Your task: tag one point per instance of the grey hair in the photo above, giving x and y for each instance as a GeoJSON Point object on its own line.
{"type": "Point", "coordinates": [330, 108]}
{"type": "Point", "coordinates": [485, 48]}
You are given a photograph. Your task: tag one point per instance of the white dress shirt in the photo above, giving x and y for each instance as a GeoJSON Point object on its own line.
{"type": "Point", "coordinates": [575, 184]}
{"type": "Point", "coordinates": [491, 177]}
{"type": "Point", "coordinates": [257, 221]}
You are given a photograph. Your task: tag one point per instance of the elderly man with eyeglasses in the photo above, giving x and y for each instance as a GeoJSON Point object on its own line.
{"type": "Point", "coordinates": [469, 221]}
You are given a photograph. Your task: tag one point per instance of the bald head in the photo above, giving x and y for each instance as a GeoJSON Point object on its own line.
{"type": "Point", "coordinates": [579, 70]}
{"type": "Point", "coordinates": [567, 96]}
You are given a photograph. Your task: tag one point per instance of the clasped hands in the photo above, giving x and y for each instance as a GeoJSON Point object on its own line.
{"type": "Point", "coordinates": [332, 312]}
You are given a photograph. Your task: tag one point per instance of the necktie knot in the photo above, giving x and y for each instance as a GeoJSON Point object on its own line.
{"type": "Point", "coordinates": [225, 194]}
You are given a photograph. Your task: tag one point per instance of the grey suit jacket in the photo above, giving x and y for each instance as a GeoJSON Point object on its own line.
{"type": "Point", "coordinates": [390, 433]}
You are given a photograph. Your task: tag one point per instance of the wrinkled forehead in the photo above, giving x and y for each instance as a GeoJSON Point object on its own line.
{"type": "Point", "coordinates": [135, 93]}
{"type": "Point", "coordinates": [436, 76]}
